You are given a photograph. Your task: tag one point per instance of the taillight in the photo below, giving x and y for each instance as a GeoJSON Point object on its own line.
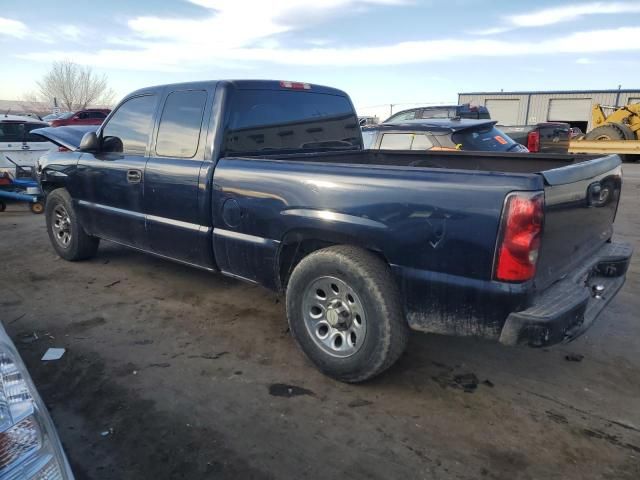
{"type": "Point", "coordinates": [63, 149]}
{"type": "Point", "coordinates": [519, 241]}
{"type": "Point", "coordinates": [295, 85]}
{"type": "Point", "coordinates": [533, 141]}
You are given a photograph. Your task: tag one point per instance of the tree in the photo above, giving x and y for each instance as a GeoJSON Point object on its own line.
{"type": "Point", "coordinates": [74, 86]}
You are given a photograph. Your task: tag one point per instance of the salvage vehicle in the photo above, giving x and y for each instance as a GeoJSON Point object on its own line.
{"type": "Point", "coordinates": [268, 182]}
{"type": "Point", "coordinates": [29, 444]}
{"type": "Point", "coordinates": [474, 112]}
{"type": "Point", "coordinates": [438, 134]}
{"type": "Point", "coordinates": [89, 116]}
{"type": "Point", "coordinates": [545, 137]}
{"type": "Point", "coordinates": [17, 142]}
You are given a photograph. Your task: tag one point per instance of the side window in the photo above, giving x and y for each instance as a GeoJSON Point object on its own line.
{"type": "Point", "coordinates": [129, 128]}
{"type": "Point", "coordinates": [180, 124]}
{"type": "Point", "coordinates": [30, 137]}
{"type": "Point", "coordinates": [11, 132]}
{"type": "Point", "coordinates": [402, 116]}
{"type": "Point", "coordinates": [396, 141]}
{"type": "Point", "coordinates": [421, 142]}
{"type": "Point", "coordinates": [96, 115]}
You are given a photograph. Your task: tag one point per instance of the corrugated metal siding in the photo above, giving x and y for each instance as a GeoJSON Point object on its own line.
{"type": "Point", "coordinates": [539, 102]}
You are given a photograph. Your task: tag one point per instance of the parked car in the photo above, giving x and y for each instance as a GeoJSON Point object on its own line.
{"type": "Point", "coordinates": [17, 142]}
{"type": "Point", "coordinates": [435, 134]}
{"type": "Point", "coordinates": [268, 182]}
{"type": "Point", "coordinates": [30, 447]}
{"type": "Point", "coordinates": [441, 111]}
{"type": "Point", "coordinates": [546, 137]}
{"type": "Point", "coordinates": [90, 116]}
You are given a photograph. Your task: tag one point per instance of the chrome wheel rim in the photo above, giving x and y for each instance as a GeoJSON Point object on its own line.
{"type": "Point", "coordinates": [334, 316]}
{"type": "Point", "coordinates": [61, 226]}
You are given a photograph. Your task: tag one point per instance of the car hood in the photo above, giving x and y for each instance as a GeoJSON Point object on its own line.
{"type": "Point", "coordinates": [67, 137]}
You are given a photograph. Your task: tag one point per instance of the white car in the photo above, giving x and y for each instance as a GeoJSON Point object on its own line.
{"type": "Point", "coordinates": [17, 142]}
{"type": "Point", "coordinates": [29, 444]}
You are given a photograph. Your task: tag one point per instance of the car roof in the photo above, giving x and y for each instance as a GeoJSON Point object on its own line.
{"type": "Point", "coordinates": [239, 85]}
{"type": "Point", "coordinates": [432, 125]}
{"type": "Point", "coordinates": [19, 119]}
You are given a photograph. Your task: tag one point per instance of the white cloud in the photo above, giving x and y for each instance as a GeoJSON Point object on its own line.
{"type": "Point", "coordinates": [567, 13]}
{"type": "Point", "coordinates": [584, 61]}
{"type": "Point", "coordinates": [550, 16]}
{"type": "Point", "coordinates": [188, 54]}
{"type": "Point", "coordinates": [13, 28]}
{"type": "Point", "coordinates": [70, 32]}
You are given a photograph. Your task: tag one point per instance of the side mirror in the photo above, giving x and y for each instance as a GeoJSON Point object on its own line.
{"type": "Point", "coordinates": [89, 142]}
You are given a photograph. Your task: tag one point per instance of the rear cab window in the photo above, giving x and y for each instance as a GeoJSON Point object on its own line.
{"type": "Point", "coordinates": [368, 139]}
{"type": "Point", "coordinates": [487, 139]}
{"type": "Point", "coordinates": [406, 141]}
{"type": "Point", "coordinates": [181, 124]}
{"type": "Point", "coordinates": [271, 120]}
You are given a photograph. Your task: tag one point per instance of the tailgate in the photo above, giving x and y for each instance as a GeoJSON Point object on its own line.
{"type": "Point", "coordinates": [554, 137]}
{"type": "Point", "coordinates": [580, 205]}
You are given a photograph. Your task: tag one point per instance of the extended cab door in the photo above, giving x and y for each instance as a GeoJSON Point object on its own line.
{"type": "Point", "coordinates": [176, 202]}
{"type": "Point", "coordinates": [111, 180]}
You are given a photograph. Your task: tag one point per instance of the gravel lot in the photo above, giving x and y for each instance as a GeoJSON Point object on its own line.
{"type": "Point", "coordinates": [171, 372]}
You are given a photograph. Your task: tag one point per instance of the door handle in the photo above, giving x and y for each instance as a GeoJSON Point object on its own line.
{"type": "Point", "coordinates": [25, 147]}
{"type": "Point", "coordinates": [134, 176]}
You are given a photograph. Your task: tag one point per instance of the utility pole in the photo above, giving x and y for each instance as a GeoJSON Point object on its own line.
{"type": "Point", "coordinates": [391, 105]}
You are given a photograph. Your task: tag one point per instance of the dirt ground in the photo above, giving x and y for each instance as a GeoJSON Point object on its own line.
{"type": "Point", "coordinates": [171, 372]}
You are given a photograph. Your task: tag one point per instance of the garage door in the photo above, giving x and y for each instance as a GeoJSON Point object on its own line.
{"type": "Point", "coordinates": [569, 110]}
{"type": "Point", "coordinates": [504, 111]}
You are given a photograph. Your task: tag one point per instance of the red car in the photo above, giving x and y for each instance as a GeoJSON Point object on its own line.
{"type": "Point", "coordinates": [89, 116]}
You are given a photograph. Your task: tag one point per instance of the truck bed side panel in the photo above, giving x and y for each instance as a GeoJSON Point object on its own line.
{"type": "Point", "coordinates": [427, 223]}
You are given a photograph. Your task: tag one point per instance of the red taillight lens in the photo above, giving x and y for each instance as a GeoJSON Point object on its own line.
{"type": "Point", "coordinates": [63, 149]}
{"type": "Point", "coordinates": [520, 237]}
{"type": "Point", "coordinates": [533, 141]}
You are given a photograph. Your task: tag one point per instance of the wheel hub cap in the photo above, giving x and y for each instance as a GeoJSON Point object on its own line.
{"type": "Point", "coordinates": [334, 316]}
{"type": "Point", "coordinates": [61, 226]}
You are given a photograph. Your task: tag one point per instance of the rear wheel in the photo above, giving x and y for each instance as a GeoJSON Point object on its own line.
{"type": "Point", "coordinates": [344, 311]}
{"type": "Point", "coordinates": [67, 236]}
{"type": "Point", "coordinates": [611, 131]}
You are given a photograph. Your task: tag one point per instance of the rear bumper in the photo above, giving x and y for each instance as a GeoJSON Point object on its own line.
{"type": "Point", "coordinates": [570, 306]}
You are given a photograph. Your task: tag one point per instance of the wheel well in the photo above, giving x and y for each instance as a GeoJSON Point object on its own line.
{"type": "Point", "coordinates": [48, 187]}
{"type": "Point", "coordinates": [295, 249]}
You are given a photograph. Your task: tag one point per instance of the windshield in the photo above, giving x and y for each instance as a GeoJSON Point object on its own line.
{"type": "Point", "coordinates": [262, 120]}
{"type": "Point", "coordinates": [66, 115]}
{"type": "Point", "coordinates": [486, 139]}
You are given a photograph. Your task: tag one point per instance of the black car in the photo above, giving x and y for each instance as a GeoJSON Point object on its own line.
{"type": "Point", "coordinates": [440, 134]}
{"type": "Point", "coordinates": [473, 112]}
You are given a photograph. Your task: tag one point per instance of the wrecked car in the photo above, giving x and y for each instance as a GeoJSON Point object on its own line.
{"type": "Point", "coordinates": [268, 182]}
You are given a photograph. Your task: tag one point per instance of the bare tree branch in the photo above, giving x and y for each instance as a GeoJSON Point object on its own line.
{"type": "Point", "coordinates": [74, 86]}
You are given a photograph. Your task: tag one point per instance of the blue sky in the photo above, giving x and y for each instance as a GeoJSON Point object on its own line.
{"type": "Point", "coordinates": [379, 51]}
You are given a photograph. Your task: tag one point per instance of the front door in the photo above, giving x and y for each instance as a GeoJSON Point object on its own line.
{"type": "Point", "coordinates": [110, 197]}
{"type": "Point", "coordinates": [177, 210]}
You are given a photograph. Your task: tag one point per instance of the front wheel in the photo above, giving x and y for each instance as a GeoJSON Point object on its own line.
{"type": "Point", "coordinates": [344, 311]}
{"type": "Point", "coordinates": [67, 236]}
{"type": "Point", "coordinates": [37, 208]}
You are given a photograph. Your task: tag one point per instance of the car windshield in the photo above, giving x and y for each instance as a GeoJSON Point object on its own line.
{"type": "Point", "coordinates": [66, 115]}
{"type": "Point", "coordinates": [487, 139]}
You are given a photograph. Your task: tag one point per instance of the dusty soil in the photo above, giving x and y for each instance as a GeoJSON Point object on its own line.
{"type": "Point", "coordinates": [171, 372]}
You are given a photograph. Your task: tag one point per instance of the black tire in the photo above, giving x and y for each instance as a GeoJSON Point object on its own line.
{"type": "Point", "coordinates": [371, 280]}
{"type": "Point", "coordinates": [37, 208]}
{"type": "Point", "coordinates": [78, 245]}
{"type": "Point", "coordinates": [611, 131]}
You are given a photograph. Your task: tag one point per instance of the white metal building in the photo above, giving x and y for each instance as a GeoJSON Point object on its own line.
{"type": "Point", "coordinates": [528, 108]}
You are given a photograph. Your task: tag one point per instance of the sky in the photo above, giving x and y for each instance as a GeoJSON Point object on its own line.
{"type": "Point", "coordinates": [381, 52]}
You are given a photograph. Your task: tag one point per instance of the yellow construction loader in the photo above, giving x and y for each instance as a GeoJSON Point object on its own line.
{"type": "Point", "coordinates": [614, 130]}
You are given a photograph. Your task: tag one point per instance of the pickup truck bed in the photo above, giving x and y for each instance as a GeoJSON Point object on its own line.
{"type": "Point", "coordinates": [363, 243]}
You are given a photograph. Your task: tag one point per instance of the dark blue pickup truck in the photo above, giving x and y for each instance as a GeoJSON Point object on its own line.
{"type": "Point", "coordinates": [268, 182]}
